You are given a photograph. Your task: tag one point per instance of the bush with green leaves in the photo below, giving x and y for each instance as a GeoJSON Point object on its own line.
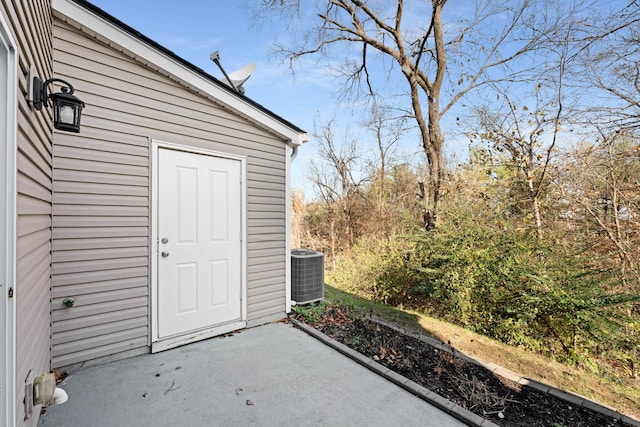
{"type": "Point", "coordinates": [498, 281]}
{"type": "Point", "coordinates": [513, 287]}
{"type": "Point", "coordinates": [376, 269]}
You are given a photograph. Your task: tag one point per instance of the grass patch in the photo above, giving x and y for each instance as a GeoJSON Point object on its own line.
{"type": "Point", "coordinates": [311, 313]}
{"type": "Point", "coordinates": [359, 305]}
{"type": "Point", "coordinates": [623, 395]}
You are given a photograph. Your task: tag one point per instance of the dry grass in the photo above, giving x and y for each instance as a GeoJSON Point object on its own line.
{"type": "Point", "coordinates": [623, 395]}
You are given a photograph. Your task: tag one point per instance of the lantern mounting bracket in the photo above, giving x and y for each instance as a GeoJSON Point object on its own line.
{"type": "Point", "coordinates": [41, 93]}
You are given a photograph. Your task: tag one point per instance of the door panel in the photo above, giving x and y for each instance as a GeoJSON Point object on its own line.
{"type": "Point", "coordinates": [199, 228]}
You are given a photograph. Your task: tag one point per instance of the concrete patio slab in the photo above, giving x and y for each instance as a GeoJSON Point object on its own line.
{"type": "Point", "coordinates": [272, 375]}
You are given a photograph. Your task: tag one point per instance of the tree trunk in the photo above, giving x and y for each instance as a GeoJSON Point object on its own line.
{"type": "Point", "coordinates": [333, 239]}
{"type": "Point", "coordinates": [536, 205]}
{"type": "Point", "coordinates": [435, 137]}
{"type": "Point", "coordinates": [435, 160]}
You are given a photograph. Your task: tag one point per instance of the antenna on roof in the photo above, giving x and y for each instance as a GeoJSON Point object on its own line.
{"type": "Point", "coordinates": [237, 78]}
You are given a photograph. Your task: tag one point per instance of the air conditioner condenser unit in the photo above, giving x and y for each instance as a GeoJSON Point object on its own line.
{"type": "Point", "coordinates": [307, 276]}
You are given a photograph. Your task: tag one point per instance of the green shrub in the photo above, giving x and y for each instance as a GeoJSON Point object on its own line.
{"type": "Point", "coordinates": [374, 269]}
{"type": "Point", "coordinates": [500, 282]}
{"type": "Point", "coordinates": [515, 288]}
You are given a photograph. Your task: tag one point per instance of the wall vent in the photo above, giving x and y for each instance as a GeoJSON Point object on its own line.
{"type": "Point", "coordinates": [307, 276]}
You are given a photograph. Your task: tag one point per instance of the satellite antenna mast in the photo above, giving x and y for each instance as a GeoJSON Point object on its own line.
{"type": "Point", "coordinates": [237, 78]}
{"type": "Point", "coordinates": [215, 57]}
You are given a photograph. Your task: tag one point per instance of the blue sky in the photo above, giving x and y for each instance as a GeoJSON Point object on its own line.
{"type": "Point", "coordinates": [194, 28]}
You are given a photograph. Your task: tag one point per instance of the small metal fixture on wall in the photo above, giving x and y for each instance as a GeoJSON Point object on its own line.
{"type": "Point", "coordinates": [67, 108]}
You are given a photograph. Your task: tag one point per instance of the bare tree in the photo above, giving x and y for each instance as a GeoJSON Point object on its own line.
{"type": "Point", "coordinates": [338, 183]}
{"type": "Point", "coordinates": [607, 65]}
{"type": "Point", "coordinates": [387, 132]}
{"type": "Point", "coordinates": [601, 181]}
{"type": "Point", "coordinates": [529, 136]}
{"type": "Point", "coordinates": [439, 60]}
{"type": "Point", "coordinates": [299, 233]}
{"type": "Point", "coordinates": [507, 133]}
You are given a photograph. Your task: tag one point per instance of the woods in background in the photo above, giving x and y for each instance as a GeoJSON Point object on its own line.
{"type": "Point", "coordinates": [571, 292]}
{"type": "Point", "coordinates": [533, 237]}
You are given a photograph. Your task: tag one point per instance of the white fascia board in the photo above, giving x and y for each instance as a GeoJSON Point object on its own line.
{"type": "Point", "coordinates": [116, 37]}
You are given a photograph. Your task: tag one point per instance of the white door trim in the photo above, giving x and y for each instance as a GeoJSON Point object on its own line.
{"type": "Point", "coordinates": [8, 141]}
{"type": "Point", "coordinates": [156, 343]}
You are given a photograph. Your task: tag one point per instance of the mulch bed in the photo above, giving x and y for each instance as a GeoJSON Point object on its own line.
{"type": "Point", "coordinates": [468, 385]}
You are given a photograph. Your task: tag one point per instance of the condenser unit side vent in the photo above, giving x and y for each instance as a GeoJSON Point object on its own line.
{"type": "Point", "coordinates": [307, 276]}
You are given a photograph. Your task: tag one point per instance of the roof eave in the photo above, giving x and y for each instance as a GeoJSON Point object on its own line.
{"type": "Point", "coordinates": [103, 26]}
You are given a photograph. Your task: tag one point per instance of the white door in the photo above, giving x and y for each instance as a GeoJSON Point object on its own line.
{"type": "Point", "coordinates": [199, 247]}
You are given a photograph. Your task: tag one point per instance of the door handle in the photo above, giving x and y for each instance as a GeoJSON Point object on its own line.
{"type": "Point", "coordinates": [165, 254]}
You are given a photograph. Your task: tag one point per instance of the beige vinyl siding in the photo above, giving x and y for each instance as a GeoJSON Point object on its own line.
{"type": "Point", "coordinates": [100, 235]}
{"type": "Point", "coordinates": [31, 22]}
{"type": "Point", "coordinates": [101, 196]}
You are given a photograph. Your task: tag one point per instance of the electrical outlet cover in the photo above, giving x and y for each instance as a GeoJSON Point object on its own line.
{"type": "Point", "coordinates": [43, 388]}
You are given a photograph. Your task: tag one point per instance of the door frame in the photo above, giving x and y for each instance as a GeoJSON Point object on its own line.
{"type": "Point", "coordinates": [8, 131]}
{"type": "Point", "coordinates": [156, 343]}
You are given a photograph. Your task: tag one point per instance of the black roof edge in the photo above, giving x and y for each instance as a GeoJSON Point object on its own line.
{"type": "Point", "coordinates": [95, 9]}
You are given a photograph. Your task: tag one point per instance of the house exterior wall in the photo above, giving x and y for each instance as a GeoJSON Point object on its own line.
{"type": "Point", "coordinates": [101, 184]}
{"type": "Point", "coordinates": [31, 24]}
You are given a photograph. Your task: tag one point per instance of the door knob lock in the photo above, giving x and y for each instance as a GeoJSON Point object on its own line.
{"type": "Point", "coordinates": [164, 240]}
{"type": "Point", "coordinates": [165, 254]}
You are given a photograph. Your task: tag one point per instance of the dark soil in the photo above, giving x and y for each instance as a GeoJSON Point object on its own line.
{"type": "Point", "coordinates": [468, 385]}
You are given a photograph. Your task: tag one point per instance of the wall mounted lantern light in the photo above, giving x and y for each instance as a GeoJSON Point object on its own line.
{"type": "Point", "coordinates": [67, 108]}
